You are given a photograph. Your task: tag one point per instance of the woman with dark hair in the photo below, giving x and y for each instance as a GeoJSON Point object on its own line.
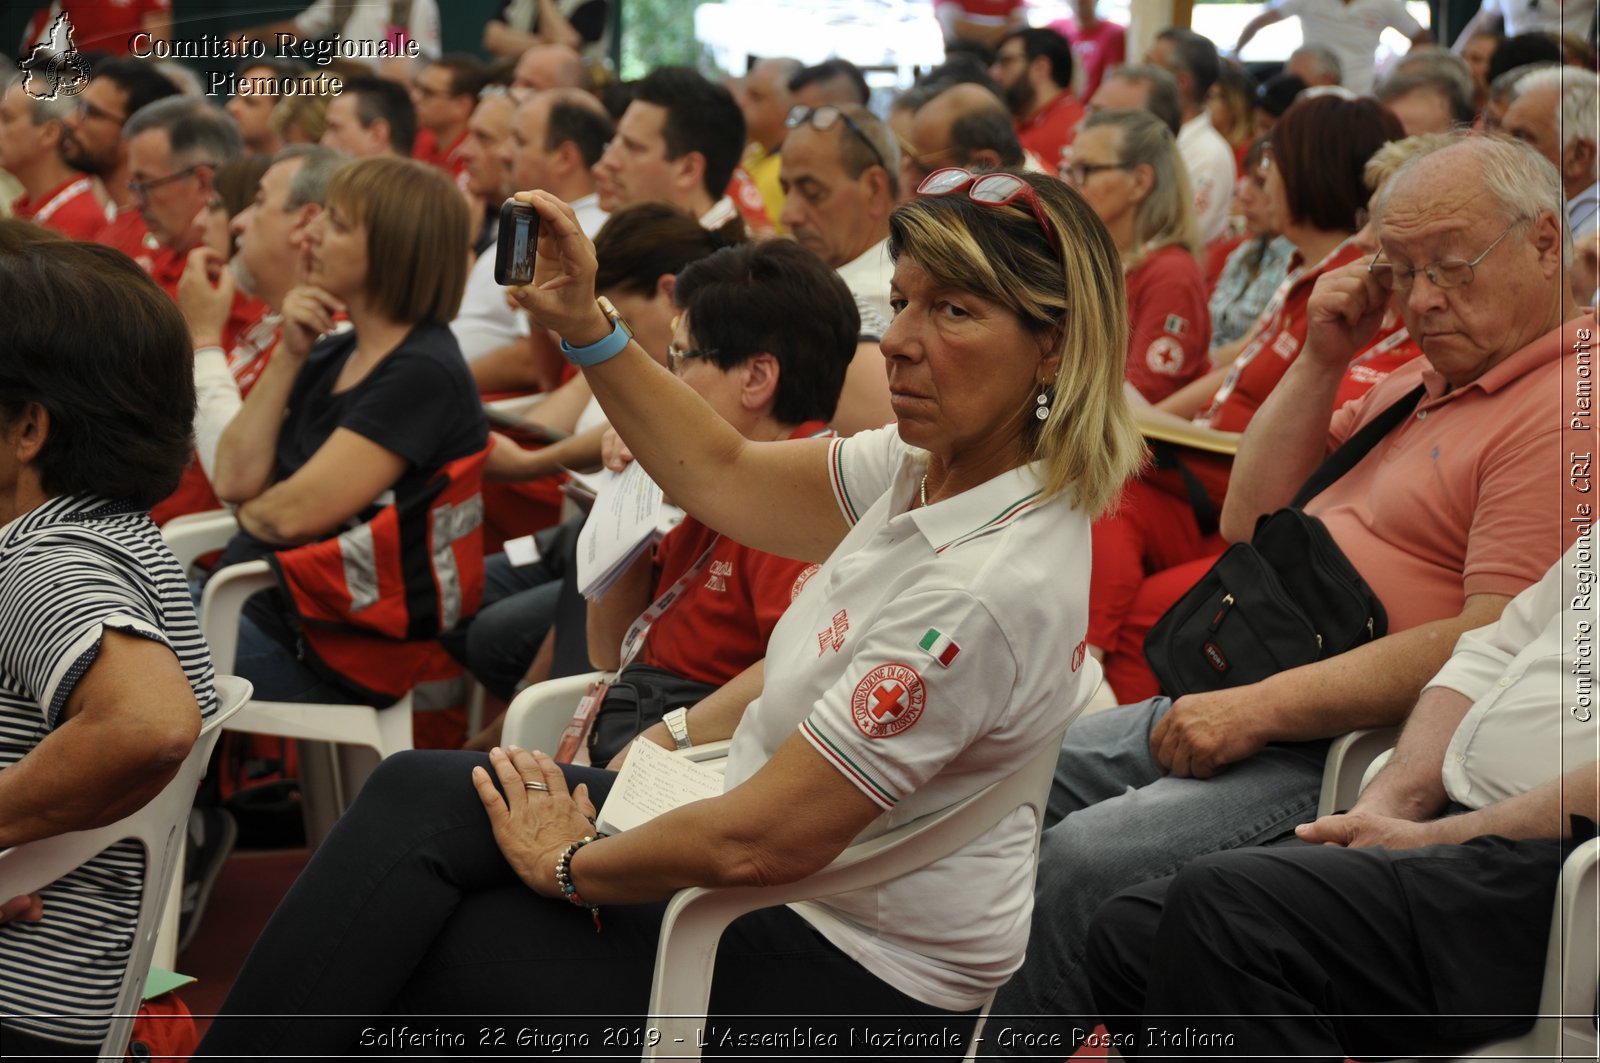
{"type": "Point", "coordinates": [356, 459]}
{"type": "Point", "coordinates": [954, 551]}
{"type": "Point", "coordinates": [104, 678]}
{"type": "Point", "coordinates": [1316, 197]}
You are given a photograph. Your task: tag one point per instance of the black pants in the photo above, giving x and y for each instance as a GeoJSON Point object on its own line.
{"type": "Point", "coordinates": [408, 909]}
{"type": "Point", "coordinates": [1308, 952]}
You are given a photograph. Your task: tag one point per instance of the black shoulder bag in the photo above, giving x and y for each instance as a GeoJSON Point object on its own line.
{"type": "Point", "coordinates": [1287, 597]}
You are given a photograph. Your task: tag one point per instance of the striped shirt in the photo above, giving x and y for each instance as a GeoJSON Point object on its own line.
{"type": "Point", "coordinates": [69, 569]}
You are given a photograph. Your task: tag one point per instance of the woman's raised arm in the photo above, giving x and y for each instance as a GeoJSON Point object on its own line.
{"type": "Point", "coordinates": [774, 497]}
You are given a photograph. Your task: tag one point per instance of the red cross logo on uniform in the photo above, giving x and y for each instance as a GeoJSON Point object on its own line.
{"type": "Point", "coordinates": [889, 699]}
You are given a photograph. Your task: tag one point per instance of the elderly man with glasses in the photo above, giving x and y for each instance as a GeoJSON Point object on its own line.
{"type": "Point", "coordinates": [1465, 503]}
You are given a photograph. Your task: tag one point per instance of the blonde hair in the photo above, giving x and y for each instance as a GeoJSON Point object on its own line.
{"type": "Point", "coordinates": [419, 236]}
{"type": "Point", "coordinates": [1089, 445]}
{"type": "Point", "coordinates": [1396, 153]}
{"type": "Point", "coordinates": [1165, 218]}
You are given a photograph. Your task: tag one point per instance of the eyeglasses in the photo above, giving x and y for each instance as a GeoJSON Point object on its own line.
{"type": "Point", "coordinates": [89, 110]}
{"type": "Point", "coordinates": [142, 188]}
{"type": "Point", "coordinates": [1445, 273]}
{"type": "Point", "coordinates": [825, 118]}
{"type": "Point", "coordinates": [990, 189]}
{"type": "Point", "coordinates": [676, 356]}
{"type": "Point", "coordinates": [1078, 173]}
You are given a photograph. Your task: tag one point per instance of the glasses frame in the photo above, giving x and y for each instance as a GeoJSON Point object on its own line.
{"type": "Point", "coordinates": [1090, 169]}
{"type": "Point", "coordinates": [1394, 272]}
{"type": "Point", "coordinates": [88, 110]}
{"type": "Point", "coordinates": [972, 183]}
{"type": "Point", "coordinates": [800, 114]}
{"type": "Point", "coordinates": [677, 356]}
{"type": "Point", "coordinates": [141, 189]}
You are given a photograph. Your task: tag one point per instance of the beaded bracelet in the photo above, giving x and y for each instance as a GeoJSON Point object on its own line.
{"type": "Point", "coordinates": [564, 880]}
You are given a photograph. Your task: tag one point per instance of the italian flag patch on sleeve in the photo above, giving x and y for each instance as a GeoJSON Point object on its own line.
{"type": "Point", "coordinates": [939, 646]}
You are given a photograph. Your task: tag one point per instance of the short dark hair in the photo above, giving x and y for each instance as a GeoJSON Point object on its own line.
{"type": "Point", "coordinates": [380, 98]}
{"type": "Point", "coordinates": [639, 244]}
{"type": "Point", "coordinates": [143, 83]}
{"type": "Point", "coordinates": [1320, 147]}
{"type": "Point", "coordinates": [1525, 49]}
{"type": "Point", "coordinates": [775, 297]}
{"type": "Point", "coordinates": [1197, 55]}
{"type": "Point", "coordinates": [986, 127]}
{"type": "Point", "coordinates": [467, 75]}
{"type": "Point", "coordinates": [584, 126]}
{"type": "Point", "coordinates": [86, 334]}
{"type": "Point", "coordinates": [701, 116]}
{"type": "Point", "coordinates": [833, 70]}
{"type": "Point", "coordinates": [1051, 45]}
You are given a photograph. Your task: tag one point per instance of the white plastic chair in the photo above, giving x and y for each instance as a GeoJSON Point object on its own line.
{"type": "Point", "coordinates": [1565, 1028]}
{"type": "Point", "coordinates": [385, 731]}
{"type": "Point", "coordinates": [695, 918]}
{"type": "Point", "coordinates": [161, 827]}
{"type": "Point", "coordinates": [194, 535]}
{"type": "Point", "coordinates": [537, 716]}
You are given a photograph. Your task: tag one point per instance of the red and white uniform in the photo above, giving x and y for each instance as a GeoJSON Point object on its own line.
{"type": "Point", "coordinates": [71, 209]}
{"type": "Point", "coordinates": [923, 663]}
{"type": "Point", "coordinates": [1169, 323]}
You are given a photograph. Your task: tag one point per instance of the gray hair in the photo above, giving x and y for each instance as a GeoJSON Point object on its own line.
{"type": "Point", "coordinates": [1163, 100]}
{"type": "Point", "coordinates": [1508, 84]}
{"type": "Point", "coordinates": [1577, 114]}
{"type": "Point", "coordinates": [1166, 216]}
{"type": "Point", "coordinates": [1437, 69]}
{"type": "Point", "coordinates": [40, 111]}
{"type": "Point", "coordinates": [854, 155]}
{"type": "Point", "coordinates": [1522, 183]}
{"type": "Point", "coordinates": [198, 132]}
{"type": "Point", "coordinates": [310, 182]}
{"type": "Point", "coordinates": [1325, 60]}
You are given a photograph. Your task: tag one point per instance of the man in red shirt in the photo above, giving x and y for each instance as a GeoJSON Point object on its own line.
{"type": "Point", "coordinates": [444, 95]}
{"type": "Point", "coordinates": [93, 143]}
{"type": "Point", "coordinates": [54, 194]}
{"type": "Point", "coordinates": [102, 26]}
{"type": "Point", "coordinates": [1034, 70]}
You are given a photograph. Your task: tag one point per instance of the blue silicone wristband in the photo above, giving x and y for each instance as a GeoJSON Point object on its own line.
{"type": "Point", "coordinates": [598, 351]}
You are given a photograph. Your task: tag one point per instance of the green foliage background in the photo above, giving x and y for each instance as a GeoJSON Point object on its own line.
{"type": "Point", "coordinates": [656, 33]}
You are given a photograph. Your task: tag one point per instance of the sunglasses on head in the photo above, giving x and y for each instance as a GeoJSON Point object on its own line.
{"type": "Point", "coordinates": [990, 189]}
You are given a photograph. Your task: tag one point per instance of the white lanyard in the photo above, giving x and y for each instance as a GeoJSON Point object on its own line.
{"type": "Point", "coordinates": [57, 201]}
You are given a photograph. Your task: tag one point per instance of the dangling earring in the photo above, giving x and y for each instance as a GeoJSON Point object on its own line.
{"type": "Point", "coordinates": [1042, 411]}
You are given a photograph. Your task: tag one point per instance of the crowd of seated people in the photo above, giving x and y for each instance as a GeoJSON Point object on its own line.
{"type": "Point", "coordinates": [895, 369]}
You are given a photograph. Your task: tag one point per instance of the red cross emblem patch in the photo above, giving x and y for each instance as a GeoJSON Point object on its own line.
{"type": "Point", "coordinates": [888, 700]}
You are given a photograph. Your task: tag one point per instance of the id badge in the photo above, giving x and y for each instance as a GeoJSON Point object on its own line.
{"type": "Point", "coordinates": [573, 738]}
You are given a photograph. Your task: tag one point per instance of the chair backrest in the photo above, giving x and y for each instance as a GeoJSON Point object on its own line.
{"type": "Point", "coordinates": [537, 716]}
{"type": "Point", "coordinates": [160, 827]}
{"type": "Point", "coordinates": [695, 918]}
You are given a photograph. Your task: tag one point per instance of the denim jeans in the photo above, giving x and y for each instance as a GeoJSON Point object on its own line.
{"type": "Point", "coordinates": [1114, 820]}
{"type": "Point", "coordinates": [519, 606]}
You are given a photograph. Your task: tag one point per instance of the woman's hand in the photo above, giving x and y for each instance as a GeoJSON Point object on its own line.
{"type": "Point", "coordinates": [533, 826]}
{"type": "Point", "coordinates": [205, 295]}
{"type": "Point", "coordinates": [307, 314]}
{"type": "Point", "coordinates": [614, 453]}
{"type": "Point", "coordinates": [561, 297]}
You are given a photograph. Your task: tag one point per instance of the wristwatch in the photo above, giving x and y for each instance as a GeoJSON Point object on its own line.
{"type": "Point", "coordinates": [678, 725]}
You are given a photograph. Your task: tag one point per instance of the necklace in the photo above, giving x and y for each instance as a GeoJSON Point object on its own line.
{"type": "Point", "coordinates": [922, 491]}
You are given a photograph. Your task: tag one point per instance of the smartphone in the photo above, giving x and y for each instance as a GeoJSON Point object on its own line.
{"type": "Point", "coordinates": [518, 244]}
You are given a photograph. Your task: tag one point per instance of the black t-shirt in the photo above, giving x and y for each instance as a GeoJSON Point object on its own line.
{"type": "Point", "coordinates": [588, 17]}
{"type": "Point", "coordinates": [419, 402]}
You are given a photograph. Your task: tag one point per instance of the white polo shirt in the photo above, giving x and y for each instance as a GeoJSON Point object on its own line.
{"type": "Point", "coordinates": [930, 656]}
{"type": "Point", "coordinates": [1212, 168]}
{"type": "Point", "coordinates": [1530, 676]}
{"type": "Point", "coordinates": [1351, 31]}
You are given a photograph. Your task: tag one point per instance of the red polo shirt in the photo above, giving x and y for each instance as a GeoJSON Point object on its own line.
{"type": "Point", "coordinates": [71, 208]}
{"type": "Point", "coordinates": [1169, 324]}
{"type": "Point", "coordinates": [1051, 129]}
{"type": "Point", "coordinates": [449, 159]}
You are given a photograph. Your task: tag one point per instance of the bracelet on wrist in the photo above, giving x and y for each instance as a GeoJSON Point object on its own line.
{"type": "Point", "coordinates": [605, 348]}
{"type": "Point", "coordinates": [564, 880]}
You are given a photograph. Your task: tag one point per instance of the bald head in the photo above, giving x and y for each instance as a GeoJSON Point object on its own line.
{"type": "Point", "coordinates": [766, 100]}
{"type": "Point", "coordinates": [548, 66]}
{"type": "Point", "coordinates": [965, 125]}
